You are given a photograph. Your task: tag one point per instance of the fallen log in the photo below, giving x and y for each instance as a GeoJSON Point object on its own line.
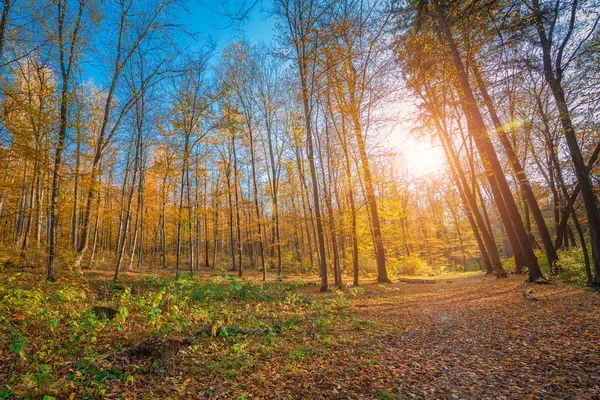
{"type": "Point", "coordinates": [418, 281]}
{"type": "Point", "coordinates": [165, 349]}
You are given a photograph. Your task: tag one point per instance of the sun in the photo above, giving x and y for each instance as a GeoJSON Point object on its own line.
{"type": "Point", "coordinates": [423, 159]}
{"type": "Point", "coordinates": [418, 157]}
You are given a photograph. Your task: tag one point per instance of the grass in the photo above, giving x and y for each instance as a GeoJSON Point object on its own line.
{"type": "Point", "coordinates": [55, 345]}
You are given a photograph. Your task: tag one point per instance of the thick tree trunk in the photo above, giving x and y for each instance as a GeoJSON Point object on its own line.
{"type": "Point", "coordinates": [491, 163]}
{"type": "Point", "coordinates": [3, 20]}
{"type": "Point", "coordinates": [501, 206]}
{"type": "Point", "coordinates": [468, 197]}
{"type": "Point", "coordinates": [518, 170]}
{"type": "Point", "coordinates": [562, 225]}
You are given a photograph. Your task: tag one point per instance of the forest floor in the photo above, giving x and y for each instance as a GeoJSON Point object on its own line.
{"type": "Point", "coordinates": [216, 336]}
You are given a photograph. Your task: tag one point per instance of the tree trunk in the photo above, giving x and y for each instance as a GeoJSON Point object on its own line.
{"type": "Point", "coordinates": [65, 75]}
{"type": "Point", "coordinates": [518, 170]}
{"type": "Point", "coordinates": [491, 163]}
{"type": "Point", "coordinates": [256, 207]}
{"type": "Point", "coordinates": [554, 80]}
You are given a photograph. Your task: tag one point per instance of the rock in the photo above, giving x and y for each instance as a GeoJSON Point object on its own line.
{"type": "Point", "coordinates": [169, 349]}
{"type": "Point", "coordinates": [529, 296]}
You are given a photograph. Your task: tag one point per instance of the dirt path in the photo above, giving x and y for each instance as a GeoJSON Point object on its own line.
{"type": "Point", "coordinates": [471, 338]}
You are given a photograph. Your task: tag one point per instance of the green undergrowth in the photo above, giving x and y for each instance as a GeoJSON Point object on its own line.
{"type": "Point", "coordinates": [570, 268]}
{"type": "Point", "coordinates": [53, 344]}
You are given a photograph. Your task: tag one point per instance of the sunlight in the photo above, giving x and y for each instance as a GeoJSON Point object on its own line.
{"type": "Point", "coordinates": [418, 157]}
{"type": "Point", "coordinates": [243, 198]}
{"type": "Point", "coordinates": [423, 159]}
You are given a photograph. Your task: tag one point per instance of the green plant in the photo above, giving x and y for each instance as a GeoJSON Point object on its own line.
{"type": "Point", "coordinates": [570, 267]}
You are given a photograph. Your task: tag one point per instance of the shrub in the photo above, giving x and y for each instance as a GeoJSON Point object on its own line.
{"type": "Point", "coordinates": [411, 265]}
{"type": "Point", "coordinates": [508, 264]}
{"type": "Point", "coordinates": [571, 266]}
{"type": "Point", "coordinates": [235, 290]}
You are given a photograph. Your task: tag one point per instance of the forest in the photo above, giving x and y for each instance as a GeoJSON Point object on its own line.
{"type": "Point", "coordinates": [385, 199]}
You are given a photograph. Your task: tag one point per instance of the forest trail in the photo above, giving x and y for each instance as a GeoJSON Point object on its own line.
{"type": "Point", "coordinates": [475, 338]}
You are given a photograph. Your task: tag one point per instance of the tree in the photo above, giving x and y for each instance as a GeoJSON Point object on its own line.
{"type": "Point", "coordinates": [302, 18]}
{"type": "Point", "coordinates": [510, 214]}
{"type": "Point", "coordinates": [359, 44]}
{"type": "Point", "coordinates": [69, 46]}
{"type": "Point", "coordinates": [137, 25]}
{"type": "Point", "coordinates": [545, 20]}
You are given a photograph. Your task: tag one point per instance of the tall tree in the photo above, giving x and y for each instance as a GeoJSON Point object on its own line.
{"type": "Point", "coordinates": [69, 46]}
{"type": "Point", "coordinates": [556, 59]}
{"type": "Point", "coordinates": [301, 18]}
{"type": "Point", "coordinates": [136, 25]}
{"type": "Point", "coordinates": [495, 174]}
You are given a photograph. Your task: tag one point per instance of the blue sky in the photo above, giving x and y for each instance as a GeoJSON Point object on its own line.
{"type": "Point", "coordinates": [209, 20]}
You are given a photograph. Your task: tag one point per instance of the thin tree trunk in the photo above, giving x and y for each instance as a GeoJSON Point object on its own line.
{"type": "Point", "coordinates": [65, 75]}
{"type": "Point", "coordinates": [554, 80]}
{"type": "Point", "coordinates": [256, 207]}
{"type": "Point", "coordinates": [29, 218]}
{"type": "Point", "coordinates": [332, 228]}
{"type": "Point", "coordinates": [206, 240]}
{"type": "Point", "coordinates": [237, 205]}
{"type": "Point", "coordinates": [231, 228]}
{"type": "Point", "coordinates": [371, 199]}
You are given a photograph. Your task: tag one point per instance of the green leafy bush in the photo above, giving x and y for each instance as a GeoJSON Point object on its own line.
{"type": "Point", "coordinates": [237, 290]}
{"type": "Point", "coordinates": [571, 267]}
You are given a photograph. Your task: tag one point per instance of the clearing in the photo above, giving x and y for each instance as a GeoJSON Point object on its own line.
{"type": "Point", "coordinates": [216, 336]}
